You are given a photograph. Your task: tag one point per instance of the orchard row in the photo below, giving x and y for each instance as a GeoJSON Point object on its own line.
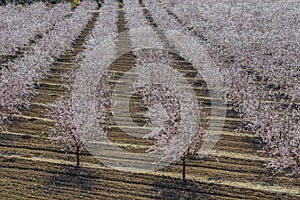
{"type": "Point", "coordinates": [247, 54]}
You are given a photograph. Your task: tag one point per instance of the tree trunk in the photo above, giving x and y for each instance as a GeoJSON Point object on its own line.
{"type": "Point", "coordinates": [183, 170]}
{"type": "Point", "coordinates": [77, 155]}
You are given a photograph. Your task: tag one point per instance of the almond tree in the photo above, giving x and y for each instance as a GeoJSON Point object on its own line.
{"type": "Point", "coordinates": [173, 111]}
{"type": "Point", "coordinates": [164, 115]}
{"type": "Point", "coordinates": [65, 130]}
{"type": "Point", "coordinates": [13, 94]}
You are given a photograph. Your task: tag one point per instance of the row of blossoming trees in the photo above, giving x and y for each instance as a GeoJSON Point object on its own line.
{"type": "Point", "coordinates": [19, 75]}
{"type": "Point", "coordinates": [173, 111]}
{"type": "Point", "coordinates": [19, 24]}
{"type": "Point", "coordinates": [251, 50]}
{"type": "Point", "coordinates": [78, 114]}
{"type": "Point", "coordinates": [256, 48]}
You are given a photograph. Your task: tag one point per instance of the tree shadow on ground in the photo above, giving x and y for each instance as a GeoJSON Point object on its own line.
{"type": "Point", "coordinates": [77, 178]}
{"type": "Point", "coordinates": [176, 189]}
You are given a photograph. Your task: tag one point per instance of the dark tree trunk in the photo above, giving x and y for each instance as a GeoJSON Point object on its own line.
{"type": "Point", "coordinates": [77, 155]}
{"type": "Point", "coordinates": [183, 170]}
